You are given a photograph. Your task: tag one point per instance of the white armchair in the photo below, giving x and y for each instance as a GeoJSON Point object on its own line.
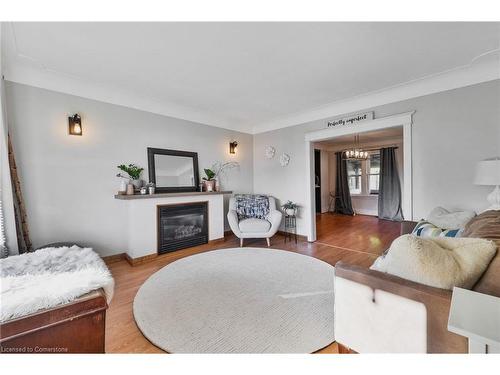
{"type": "Point", "coordinates": [254, 227]}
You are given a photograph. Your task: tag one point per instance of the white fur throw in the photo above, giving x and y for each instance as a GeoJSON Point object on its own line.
{"type": "Point", "coordinates": [445, 219]}
{"type": "Point", "coordinates": [438, 262]}
{"type": "Point", "coordinates": [49, 277]}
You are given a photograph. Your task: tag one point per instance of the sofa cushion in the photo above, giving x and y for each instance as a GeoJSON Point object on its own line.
{"type": "Point", "coordinates": [446, 219]}
{"type": "Point", "coordinates": [487, 225]}
{"type": "Point", "coordinates": [426, 229]}
{"type": "Point", "coordinates": [254, 225]}
{"type": "Point", "coordinates": [438, 262]}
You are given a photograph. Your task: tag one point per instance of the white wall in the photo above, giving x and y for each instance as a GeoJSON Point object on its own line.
{"type": "Point", "coordinates": [452, 130]}
{"type": "Point", "coordinates": [69, 181]}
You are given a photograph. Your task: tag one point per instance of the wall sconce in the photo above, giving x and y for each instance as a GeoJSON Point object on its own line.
{"type": "Point", "coordinates": [75, 124]}
{"type": "Point", "coordinates": [232, 147]}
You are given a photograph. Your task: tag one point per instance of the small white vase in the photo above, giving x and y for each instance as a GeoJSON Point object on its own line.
{"type": "Point", "coordinates": [123, 186]}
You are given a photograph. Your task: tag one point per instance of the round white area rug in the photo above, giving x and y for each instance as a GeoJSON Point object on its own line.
{"type": "Point", "coordinates": [242, 300]}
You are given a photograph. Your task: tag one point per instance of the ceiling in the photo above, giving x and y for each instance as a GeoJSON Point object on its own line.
{"type": "Point", "coordinates": [240, 76]}
{"type": "Point", "coordinates": [371, 138]}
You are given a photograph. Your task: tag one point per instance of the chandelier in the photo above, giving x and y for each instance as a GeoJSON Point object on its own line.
{"type": "Point", "coordinates": [355, 153]}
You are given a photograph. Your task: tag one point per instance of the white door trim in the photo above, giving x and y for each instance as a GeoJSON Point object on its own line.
{"type": "Point", "coordinates": [404, 119]}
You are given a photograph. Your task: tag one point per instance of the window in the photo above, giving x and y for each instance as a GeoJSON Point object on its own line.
{"type": "Point", "coordinates": [373, 173]}
{"type": "Point", "coordinates": [363, 175]}
{"type": "Point", "coordinates": [354, 175]}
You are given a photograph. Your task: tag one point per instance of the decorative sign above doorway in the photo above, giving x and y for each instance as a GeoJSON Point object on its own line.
{"type": "Point", "coordinates": [350, 120]}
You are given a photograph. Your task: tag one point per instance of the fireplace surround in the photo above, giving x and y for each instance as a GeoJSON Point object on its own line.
{"type": "Point", "coordinates": [180, 226]}
{"type": "Point", "coordinates": [142, 212]}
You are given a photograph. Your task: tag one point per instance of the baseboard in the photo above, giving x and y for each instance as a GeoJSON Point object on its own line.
{"type": "Point", "coordinates": [150, 257]}
{"type": "Point", "coordinates": [217, 240]}
{"type": "Point", "coordinates": [113, 258]}
{"type": "Point", "coordinates": [366, 212]}
{"type": "Point", "coordinates": [299, 236]}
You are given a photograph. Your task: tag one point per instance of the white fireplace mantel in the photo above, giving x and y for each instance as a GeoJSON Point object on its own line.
{"type": "Point", "coordinates": [142, 218]}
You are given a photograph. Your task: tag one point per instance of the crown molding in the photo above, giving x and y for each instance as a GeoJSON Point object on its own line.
{"type": "Point", "coordinates": [55, 81]}
{"type": "Point", "coordinates": [478, 71]}
{"type": "Point", "coordinates": [21, 68]}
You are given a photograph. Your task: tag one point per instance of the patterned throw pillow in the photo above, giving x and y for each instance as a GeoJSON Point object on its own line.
{"type": "Point", "coordinates": [426, 229]}
{"type": "Point", "coordinates": [252, 206]}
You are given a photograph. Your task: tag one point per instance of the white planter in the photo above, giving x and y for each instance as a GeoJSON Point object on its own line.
{"type": "Point", "coordinates": [137, 183]}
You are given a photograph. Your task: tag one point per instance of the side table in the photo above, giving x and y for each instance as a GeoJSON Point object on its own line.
{"type": "Point", "coordinates": [290, 227]}
{"type": "Point", "coordinates": [477, 317]}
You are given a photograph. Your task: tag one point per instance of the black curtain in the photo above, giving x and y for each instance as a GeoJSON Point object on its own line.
{"type": "Point", "coordinates": [343, 203]}
{"type": "Point", "coordinates": [389, 192]}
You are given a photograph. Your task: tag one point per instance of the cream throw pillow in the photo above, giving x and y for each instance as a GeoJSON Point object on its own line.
{"type": "Point", "coordinates": [445, 219]}
{"type": "Point", "coordinates": [438, 262]}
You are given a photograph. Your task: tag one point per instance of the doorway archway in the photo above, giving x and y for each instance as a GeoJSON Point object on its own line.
{"type": "Point", "coordinates": [404, 120]}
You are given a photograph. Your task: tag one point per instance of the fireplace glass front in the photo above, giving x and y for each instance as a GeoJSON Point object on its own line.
{"type": "Point", "coordinates": [182, 225]}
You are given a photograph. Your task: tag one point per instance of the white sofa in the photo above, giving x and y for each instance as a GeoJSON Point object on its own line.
{"type": "Point", "coordinates": [254, 227]}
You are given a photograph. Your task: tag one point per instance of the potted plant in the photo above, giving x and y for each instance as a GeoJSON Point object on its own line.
{"type": "Point", "coordinates": [214, 175]}
{"type": "Point", "coordinates": [209, 180]}
{"type": "Point", "coordinates": [133, 173]}
{"type": "Point", "coordinates": [290, 208]}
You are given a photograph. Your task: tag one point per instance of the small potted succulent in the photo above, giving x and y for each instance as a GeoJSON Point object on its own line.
{"type": "Point", "coordinates": [209, 180]}
{"type": "Point", "coordinates": [133, 174]}
{"type": "Point", "coordinates": [290, 208]}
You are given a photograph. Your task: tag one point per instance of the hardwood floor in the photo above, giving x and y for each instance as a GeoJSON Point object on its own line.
{"type": "Point", "coordinates": [341, 239]}
{"type": "Point", "coordinates": [357, 233]}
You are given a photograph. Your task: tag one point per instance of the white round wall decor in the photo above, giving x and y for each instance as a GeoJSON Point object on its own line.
{"type": "Point", "coordinates": [284, 159]}
{"type": "Point", "coordinates": [269, 152]}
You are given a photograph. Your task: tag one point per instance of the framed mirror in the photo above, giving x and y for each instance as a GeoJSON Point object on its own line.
{"type": "Point", "coordinates": [173, 171]}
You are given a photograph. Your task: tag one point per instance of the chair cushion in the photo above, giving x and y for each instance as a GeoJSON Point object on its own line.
{"type": "Point", "coordinates": [254, 225]}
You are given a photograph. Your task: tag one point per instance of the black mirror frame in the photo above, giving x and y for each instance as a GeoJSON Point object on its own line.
{"type": "Point", "coordinates": [174, 189]}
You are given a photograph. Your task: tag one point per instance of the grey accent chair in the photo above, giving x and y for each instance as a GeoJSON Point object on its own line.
{"type": "Point", "coordinates": [254, 227]}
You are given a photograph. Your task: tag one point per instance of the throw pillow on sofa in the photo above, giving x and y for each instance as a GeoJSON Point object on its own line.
{"type": "Point", "coordinates": [443, 218]}
{"type": "Point", "coordinates": [438, 262]}
{"type": "Point", "coordinates": [487, 225]}
{"type": "Point", "coordinates": [426, 229]}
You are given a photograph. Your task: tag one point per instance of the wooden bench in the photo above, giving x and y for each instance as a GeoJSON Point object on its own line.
{"type": "Point", "coordinates": [74, 327]}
